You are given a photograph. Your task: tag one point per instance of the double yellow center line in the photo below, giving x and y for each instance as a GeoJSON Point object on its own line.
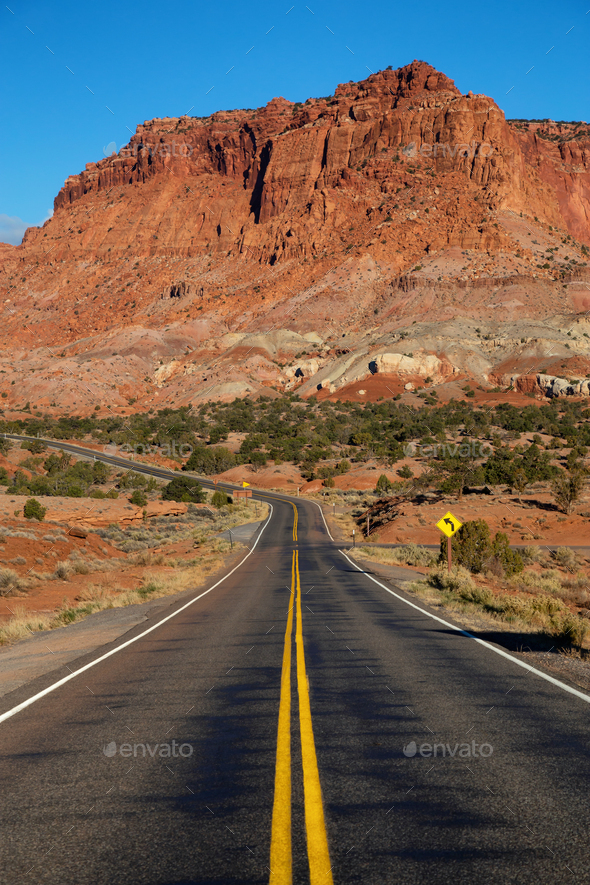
{"type": "Point", "coordinates": [281, 863]}
{"type": "Point", "coordinates": [295, 521]}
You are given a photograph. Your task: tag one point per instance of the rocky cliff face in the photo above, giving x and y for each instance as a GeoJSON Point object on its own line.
{"type": "Point", "coordinates": [558, 154]}
{"type": "Point", "coordinates": [208, 253]}
{"type": "Point", "coordinates": [269, 183]}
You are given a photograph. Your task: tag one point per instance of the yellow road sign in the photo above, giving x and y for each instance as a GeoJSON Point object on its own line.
{"type": "Point", "coordinates": [448, 524]}
{"type": "Point", "coordinates": [245, 485]}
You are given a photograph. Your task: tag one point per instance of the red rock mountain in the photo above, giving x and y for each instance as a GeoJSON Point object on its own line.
{"type": "Point", "coordinates": [209, 252]}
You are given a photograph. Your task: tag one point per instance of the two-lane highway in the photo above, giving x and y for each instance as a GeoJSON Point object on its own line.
{"type": "Point", "coordinates": [299, 722]}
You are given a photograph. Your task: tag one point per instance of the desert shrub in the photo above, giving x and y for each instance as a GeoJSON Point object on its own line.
{"type": "Point", "coordinates": [457, 580]}
{"type": "Point", "coordinates": [510, 560]}
{"type": "Point", "coordinates": [33, 509]}
{"type": "Point", "coordinates": [8, 581]}
{"type": "Point", "coordinates": [221, 499]}
{"type": "Point", "coordinates": [132, 480]}
{"type": "Point", "coordinates": [565, 556]}
{"type": "Point", "coordinates": [413, 554]}
{"type": "Point", "coordinates": [209, 461]}
{"type": "Point", "coordinates": [548, 583]}
{"type": "Point", "coordinates": [383, 484]}
{"type": "Point", "coordinates": [530, 554]}
{"type": "Point", "coordinates": [80, 566]}
{"type": "Point", "coordinates": [63, 570]}
{"type": "Point", "coordinates": [35, 446]}
{"type": "Point", "coordinates": [183, 488]}
{"type": "Point", "coordinates": [138, 498]}
{"type": "Point", "coordinates": [470, 545]}
{"type": "Point", "coordinates": [473, 548]}
{"type": "Point", "coordinates": [567, 488]}
{"type": "Point", "coordinates": [571, 630]}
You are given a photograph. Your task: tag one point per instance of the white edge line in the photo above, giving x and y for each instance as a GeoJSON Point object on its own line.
{"type": "Point", "coordinates": [113, 651]}
{"type": "Point", "coordinates": [498, 651]}
{"type": "Point", "coordinates": [324, 518]}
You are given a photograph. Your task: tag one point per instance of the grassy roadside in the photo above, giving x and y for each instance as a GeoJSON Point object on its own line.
{"type": "Point", "coordinates": [164, 573]}
{"type": "Point", "coordinates": [544, 602]}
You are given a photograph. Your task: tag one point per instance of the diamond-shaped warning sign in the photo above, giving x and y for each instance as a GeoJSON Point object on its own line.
{"type": "Point", "coordinates": [449, 524]}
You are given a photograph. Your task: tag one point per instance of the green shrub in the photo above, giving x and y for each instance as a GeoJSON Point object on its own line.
{"type": "Point", "coordinates": [35, 446]}
{"type": "Point", "coordinates": [138, 498]}
{"type": "Point", "coordinates": [221, 499]}
{"type": "Point", "coordinates": [33, 509]}
{"type": "Point", "coordinates": [383, 484]}
{"type": "Point", "coordinates": [183, 488]}
{"type": "Point", "coordinates": [510, 560]}
{"type": "Point", "coordinates": [470, 545]}
{"type": "Point", "coordinates": [209, 461]}
{"type": "Point", "coordinates": [473, 548]}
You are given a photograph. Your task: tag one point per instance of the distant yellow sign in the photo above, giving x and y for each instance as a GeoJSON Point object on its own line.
{"type": "Point", "coordinates": [449, 524]}
{"type": "Point", "coordinates": [245, 485]}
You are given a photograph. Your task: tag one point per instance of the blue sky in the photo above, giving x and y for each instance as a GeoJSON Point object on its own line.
{"type": "Point", "coordinates": [76, 75]}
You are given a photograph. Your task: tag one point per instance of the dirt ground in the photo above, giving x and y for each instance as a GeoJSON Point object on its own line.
{"type": "Point", "coordinates": [48, 568]}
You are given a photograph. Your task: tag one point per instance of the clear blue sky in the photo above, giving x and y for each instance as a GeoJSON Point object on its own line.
{"type": "Point", "coordinates": [75, 75]}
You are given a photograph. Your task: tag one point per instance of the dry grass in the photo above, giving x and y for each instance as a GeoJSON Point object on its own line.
{"type": "Point", "coordinates": [179, 576]}
{"type": "Point", "coordinates": [538, 613]}
{"type": "Point", "coordinates": [11, 584]}
{"type": "Point", "coordinates": [408, 554]}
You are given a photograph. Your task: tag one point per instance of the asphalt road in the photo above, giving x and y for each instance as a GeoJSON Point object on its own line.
{"type": "Point", "coordinates": [290, 692]}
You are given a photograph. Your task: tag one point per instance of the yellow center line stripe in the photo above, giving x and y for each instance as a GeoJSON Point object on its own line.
{"type": "Point", "coordinates": [320, 868]}
{"type": "Point", "coordinates": [295, 520]}
{"type": "Point", "coordinates": [280, 843]}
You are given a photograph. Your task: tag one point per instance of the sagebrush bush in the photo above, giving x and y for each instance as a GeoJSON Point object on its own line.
{"type": "Point", "coordinates": [565, 556]}
{"type": "Point", "coordinates": [530, 554]}
{"type": "Point", "coordinates": [571, 630]}
{"type": "Point", "coordinates": [63, 570]}
{"type": "Point", "coordinates": [8, 581]}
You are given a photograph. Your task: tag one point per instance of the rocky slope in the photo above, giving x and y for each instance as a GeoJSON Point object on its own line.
{"type": "Point", "coordinates": [396, 228]}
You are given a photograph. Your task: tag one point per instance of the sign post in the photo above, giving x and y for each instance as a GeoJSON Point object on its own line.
{"type": "Point", "coordinates": [353, 539]}
{"type": "Point", "coordinates": [448, 525]}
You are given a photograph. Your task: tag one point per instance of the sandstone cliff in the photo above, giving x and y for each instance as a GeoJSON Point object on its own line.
{"type": "Point", "coordinates": [297, 227]}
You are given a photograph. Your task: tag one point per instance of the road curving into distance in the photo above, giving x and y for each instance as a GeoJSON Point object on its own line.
{"type": "Point", "coordinates": [294, 722]}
